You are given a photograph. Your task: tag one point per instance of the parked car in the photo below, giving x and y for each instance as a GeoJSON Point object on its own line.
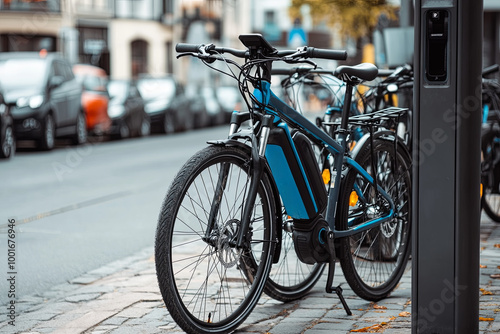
{"type": "Point", "coordinates": [44, 97]}
{"type": "Point", "coordinates": [166, 104]}
{"type": "Point", "coordinates": [212, 106]}
{"type": "Point", "coordinates": [7, 139]}
{"type": "Point", "coordinates": [95, 97]}
{"type": "Point", "coordinates": [126, 110]}
{"type": "Point", "coordinates": [230, 99]}
{"type": "Point", "coordinates": [197, 106]}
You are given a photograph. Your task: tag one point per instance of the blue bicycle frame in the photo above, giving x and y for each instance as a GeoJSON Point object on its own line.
{"type": "Point", "coordinates": [285, 115]}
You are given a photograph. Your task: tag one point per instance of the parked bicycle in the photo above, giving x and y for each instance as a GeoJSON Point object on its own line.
{"type": "Point", "coordinates": [394, 87]}
{"type": "Point", "coordinates": [490, 146]}
{"type": "Point", "coordinates": [227, 215]}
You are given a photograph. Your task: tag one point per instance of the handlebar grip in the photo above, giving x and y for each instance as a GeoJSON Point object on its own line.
{"type": "Point", "coordinates": [384, 73]}
{"type": "Point", "coordinates": [185, 47]}
{"type": "Point", "coordinates": [326, 54]}
{"type": "Point", "coordinates": [491, 69]}
{"type": "Point", "coordinates": [290, 71]}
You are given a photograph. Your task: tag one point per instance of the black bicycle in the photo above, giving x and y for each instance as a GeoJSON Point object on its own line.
{"type": "Point", "coordinates": [233, 208]}
{"type": "Point", "coordinates": [490, 145]}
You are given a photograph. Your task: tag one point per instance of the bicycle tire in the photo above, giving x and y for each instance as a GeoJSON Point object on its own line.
{"type": "Point", "coordinates": [374, 260]}
{"type": "Point", "coordinates": [290, 279]}
{"type": "Point", "coordinates": [210, 286]}
{"type": "Point", "coordinates": [490, 149]}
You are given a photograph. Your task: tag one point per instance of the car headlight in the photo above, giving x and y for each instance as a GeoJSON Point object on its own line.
{"type": "Point", "coordinates": [22, 102]}
{"type": "Point", "coordinates": [36, 101]}
{"type": "Point", "coordinates": [33, 102]}
{"type": "Point", "coordinates": [116, 111]}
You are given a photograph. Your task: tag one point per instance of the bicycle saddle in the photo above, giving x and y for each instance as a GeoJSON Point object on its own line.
{"type": "Point", "coordinates": [364, 71]}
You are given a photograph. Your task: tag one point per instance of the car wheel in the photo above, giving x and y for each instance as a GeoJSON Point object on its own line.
{"type": "Point", "coordinates": [80, 136]}
{"type": "Point", "coordinates": [124, 131]}
{"type": "Point", "coordinates": [145, 129]}
{"type": "Point", "coordinates": [47, 141]}
{"type": "Point", "coordinates": [169, 124]}
{"type": "Point", "coordinates": [8, 144]}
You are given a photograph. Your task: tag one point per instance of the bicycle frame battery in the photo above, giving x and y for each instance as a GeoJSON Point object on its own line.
{"type": "Point", "coordinates": [296, 173]}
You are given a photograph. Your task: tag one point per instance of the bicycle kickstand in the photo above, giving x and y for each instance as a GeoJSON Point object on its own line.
{"type": "Point", "coordinates": [331, 273]}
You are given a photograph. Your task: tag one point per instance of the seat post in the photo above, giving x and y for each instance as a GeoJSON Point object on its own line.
{"type": "Point", "coordinates": [342, 133]}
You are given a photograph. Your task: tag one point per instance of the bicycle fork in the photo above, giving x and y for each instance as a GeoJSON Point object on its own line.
{"type": "Point", "coordinates": [257, 167]}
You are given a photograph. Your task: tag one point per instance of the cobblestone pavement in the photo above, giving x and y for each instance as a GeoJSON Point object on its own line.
{"type": "Point", "coordinates": [123, 297]}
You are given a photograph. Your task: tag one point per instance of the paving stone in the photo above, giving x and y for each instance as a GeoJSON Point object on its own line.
{"type": "Point", "coordinates": [82, 297]}
{"type": "Point", "coordinates": [123, 297]}
{"type": "Point", "coordinates": [333, 325]}
{"type": "Point", "coordinates": [114, 321]}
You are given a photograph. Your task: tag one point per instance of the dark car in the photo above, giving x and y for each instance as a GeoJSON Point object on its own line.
{"type": "Point", "coordinates": [44, 97]}
{"type": "Point", "coordinates": [7, 140]}
{"type": "Point", "coordinates": [166, 104]}
{"type": "Point", "coordinates": [126, 110]}
{"type": "Point", "coordinates": [230, 100]}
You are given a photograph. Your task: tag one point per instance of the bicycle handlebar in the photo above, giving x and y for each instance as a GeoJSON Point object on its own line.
{"type": "Point", "coordinates": [307, 52]}
{"type": "Point", "coordinates": [491, 69]}
{"type": "Point", "coordinates": [326, 54]}
{"type": "Point", "coordinates": [185, 47]}
{"type": "Point", "coordinates": [299, 70]}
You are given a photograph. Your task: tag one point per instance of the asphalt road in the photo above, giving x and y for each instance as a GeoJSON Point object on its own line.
{"type": "Point", "coordinates": [78, 208]}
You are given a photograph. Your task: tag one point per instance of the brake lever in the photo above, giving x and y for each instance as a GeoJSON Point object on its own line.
{"type": "Point", "coordinates": [300, 61]}
{"type": "Point", "coordinates": [192, 54]}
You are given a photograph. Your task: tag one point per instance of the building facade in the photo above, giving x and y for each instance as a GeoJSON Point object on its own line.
{"type": "Point", "coordinates": [125, 37]}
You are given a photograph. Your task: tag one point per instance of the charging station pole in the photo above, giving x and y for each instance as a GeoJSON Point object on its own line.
{"type": "Point", "coordinates": [446, 166]}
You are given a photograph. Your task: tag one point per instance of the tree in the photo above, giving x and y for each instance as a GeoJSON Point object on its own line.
{"type": "Point", "coordinates": [355, 18]}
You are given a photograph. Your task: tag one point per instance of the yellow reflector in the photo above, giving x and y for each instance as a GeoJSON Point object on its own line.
{"type": "Point", "coordinates": [351, 147]}
{"type": "Point", "coordinates": [353, 198]}
{"type": "Point", "coordinates": [481, 191]}
{"type": "Point", "coordinates": [326, 176]}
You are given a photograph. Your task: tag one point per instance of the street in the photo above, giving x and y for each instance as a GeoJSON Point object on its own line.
{"type": "Point", "coordinates": [77, 208]}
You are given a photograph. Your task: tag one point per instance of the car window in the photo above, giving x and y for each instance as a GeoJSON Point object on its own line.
{"type": "Point", "coordinates": [153, 88]}
{"type": "Point", "coordinates": [58, 69]}
{"type": "Point", "coordinates": [62, 69]}
{"type": "Point", "coordinates": [68, 73]}
{"type": "Point", "coordinates": [22, 73]}
{"type": "Point", "coordinates": [93, 83]}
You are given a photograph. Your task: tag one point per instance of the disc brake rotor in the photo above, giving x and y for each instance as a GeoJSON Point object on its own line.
{"type": "Point", "coordinates": [228, 255]}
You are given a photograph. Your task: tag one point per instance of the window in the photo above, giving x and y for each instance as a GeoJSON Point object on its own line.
{"type": "Point", "coordinates": [31, 5]}
{"type": "Point", "coordinates": [139, 57]}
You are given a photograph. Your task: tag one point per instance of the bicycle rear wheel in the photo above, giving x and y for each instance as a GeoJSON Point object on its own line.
{"type": "Point", "coordinates": [209, 285]}
{"type": "Point", "coordinates": [490, 173]}
{"type": "Point", "coordinates": [374, 260]}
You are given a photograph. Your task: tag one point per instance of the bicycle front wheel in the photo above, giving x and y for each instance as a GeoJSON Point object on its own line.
{"type": "Point", "coordinates": [374, 260]}
{"type": "Point", "coordinates": [208, 284]}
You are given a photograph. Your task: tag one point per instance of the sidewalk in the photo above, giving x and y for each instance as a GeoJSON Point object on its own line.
{"type": "Point", "coordinates": [123, 297]}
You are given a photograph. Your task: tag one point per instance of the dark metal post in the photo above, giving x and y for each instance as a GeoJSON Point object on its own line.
{"type": "Point", "coordinates": [446, 158]}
